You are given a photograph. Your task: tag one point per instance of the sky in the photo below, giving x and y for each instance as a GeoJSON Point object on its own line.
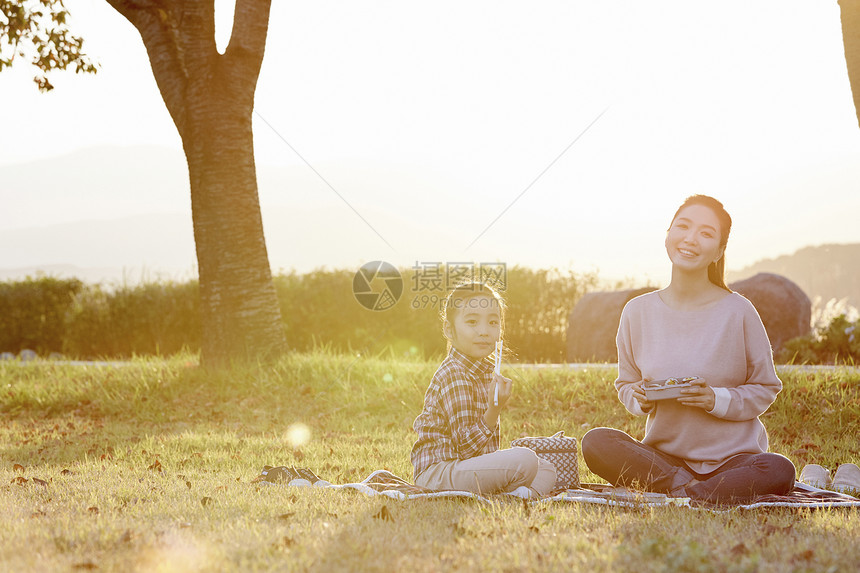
{"type": "Point", "coordinates": [549, 134]}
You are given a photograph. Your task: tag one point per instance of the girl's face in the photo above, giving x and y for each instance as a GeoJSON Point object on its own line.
{"type": "Point", "coordinates": [693, 240]}
{"type": "Point", "coordinates": [476, 327]}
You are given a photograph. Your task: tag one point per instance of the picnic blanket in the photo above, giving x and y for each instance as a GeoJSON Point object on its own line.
{"type": "Point", "coordinates": [385, 483]}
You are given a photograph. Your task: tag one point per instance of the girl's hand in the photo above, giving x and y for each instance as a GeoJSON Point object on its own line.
{"type": "Point", "coordinates": [491, 415]}
{"type": "Point", "coordinates": [699, 395]}
{"type": "Point", "coordinates": [505, 388]}
{"type": "Point", "coordinates": [639, 394]}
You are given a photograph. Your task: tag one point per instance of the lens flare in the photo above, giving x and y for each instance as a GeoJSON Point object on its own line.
{"type": "Point", "coordinates": [298, 434]}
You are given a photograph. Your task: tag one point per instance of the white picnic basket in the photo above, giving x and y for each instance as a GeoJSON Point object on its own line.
{"type": "Point", "coordinates": [560, 451]}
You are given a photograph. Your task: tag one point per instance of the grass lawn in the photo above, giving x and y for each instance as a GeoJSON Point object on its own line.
{"type": "Point", "coordinates": [148, 467]}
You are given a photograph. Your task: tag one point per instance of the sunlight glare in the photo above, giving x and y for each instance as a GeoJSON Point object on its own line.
{"type": "Point", "coordinates": [298, 434]}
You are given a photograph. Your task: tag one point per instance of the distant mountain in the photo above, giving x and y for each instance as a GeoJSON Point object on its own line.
{"type": "Point", "coordinates": [826, 271]}
{"type": "Point", "coordinates": [119, 213]}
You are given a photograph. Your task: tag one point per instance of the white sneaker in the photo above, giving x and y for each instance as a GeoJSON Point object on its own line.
{"type": "Point", "coordinates": [815, 475]}
{"type": "Point", "coordinates": [523, 492]}
{"type": "Point", "coordinates": [846, 479]}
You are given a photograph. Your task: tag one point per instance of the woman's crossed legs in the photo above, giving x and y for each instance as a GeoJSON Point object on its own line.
{"type": "Point", "coordinates": [622, 460]}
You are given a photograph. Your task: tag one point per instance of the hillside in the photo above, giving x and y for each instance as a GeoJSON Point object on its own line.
{"type": "Point", "coordinates": [826, 271]}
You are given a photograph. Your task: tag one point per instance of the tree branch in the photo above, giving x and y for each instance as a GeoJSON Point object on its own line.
{"type": "Point", "coordinates": [248, 36]}
{"type": "Point", "coordinates": [850, 11]}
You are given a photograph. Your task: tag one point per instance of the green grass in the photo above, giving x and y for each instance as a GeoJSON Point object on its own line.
{"type": "Point", "coordinates": [148, 467]}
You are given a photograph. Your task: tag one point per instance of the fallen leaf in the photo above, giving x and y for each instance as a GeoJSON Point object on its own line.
{"type": "Point", "coordinates": [19, 480]}
{"type": "Point", "coordinates": [188, 484]}
{"type": "Point", "coordinates": [206, 501]}
{"type": "Point", "coordinates": [85, 565]}
{"type": "Point", "coordinates": [384, 514]}
{"type": "Point", "coordinates": [156, 466]}
{"type": "Point", "coordinates": [768, 529]}
{"type": "Point", "coordinates": [41, 482]}
{"type": "Point", "coordinates": [804, 555]}
{"type": "Point", "coordinates": [286, 515]}
{"type": "Point", "coordinates": [18, 468]}
{"type": "Point", "coordinates": [739, 549]}
{"type": "Point", "coordinates": [93, 509]}
{"type": "Point", "coordinates": [66, 472]}
{"type": "Point", "coordinates": [127, 536]}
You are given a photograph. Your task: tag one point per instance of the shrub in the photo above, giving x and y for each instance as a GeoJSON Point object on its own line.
{"type": "Point", "coordinates": [319, 309]}
{"type": "Point", "coordinates": [147, 319]}
{"type": "Point", "coordinates": [539, 304]}
{"type": "Point", "coordinates": [32, 313]}
{"type": "Point", "coordinates": [837, 342]}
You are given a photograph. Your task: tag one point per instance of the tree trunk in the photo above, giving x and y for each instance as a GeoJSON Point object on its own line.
{"type": "Point", "coordinates": [851, 40]}
{"type": "Point", "coordinates": [240, 313]}
{"type": "Point", "coordinates": [210, 97]}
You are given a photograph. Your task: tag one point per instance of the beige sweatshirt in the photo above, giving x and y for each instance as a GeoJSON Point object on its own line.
{"type": "Point", "coordinates": [724, 343]}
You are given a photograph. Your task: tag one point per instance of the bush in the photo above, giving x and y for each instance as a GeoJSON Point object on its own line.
{"type": "Point", "coordinates": [837, 342]}
{"type": "Point", "coordinates": [319, 309]}
{"type": "Point", "coordinates": [147, 319]}
{"type": "Point", "coordinates": [32, 313]}
{"type": "Point", "coordinates": [539, 305]}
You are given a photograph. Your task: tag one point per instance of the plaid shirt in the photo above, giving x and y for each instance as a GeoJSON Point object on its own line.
{"type": "Point", "coordinates": [451, 425]}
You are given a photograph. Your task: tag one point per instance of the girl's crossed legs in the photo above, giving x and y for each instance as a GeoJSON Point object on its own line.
{"type": "Point", "coordinates": [499, 471]}
{"type": "Point", "coordinates": [622, 460]}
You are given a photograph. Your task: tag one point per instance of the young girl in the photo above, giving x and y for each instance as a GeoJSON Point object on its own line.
{"type": "Point", "coordinates": [458, 429]}
{"type": "Point", "coordinates": [708, 444]}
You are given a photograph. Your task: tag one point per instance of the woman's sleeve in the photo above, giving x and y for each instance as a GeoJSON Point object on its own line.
{"type": "Point", "coordinates": [628, 372]}
{"type": "Point", "coordinates": [469, 433]}
{"type": "Point", "coordinates": [759, 390]}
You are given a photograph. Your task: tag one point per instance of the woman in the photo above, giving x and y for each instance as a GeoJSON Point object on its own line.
{"type": "Point", "coordinates": [708, 444]}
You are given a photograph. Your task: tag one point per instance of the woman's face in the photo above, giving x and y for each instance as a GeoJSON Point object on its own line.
{"type": "Point", "coordinates": [693, 240]}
